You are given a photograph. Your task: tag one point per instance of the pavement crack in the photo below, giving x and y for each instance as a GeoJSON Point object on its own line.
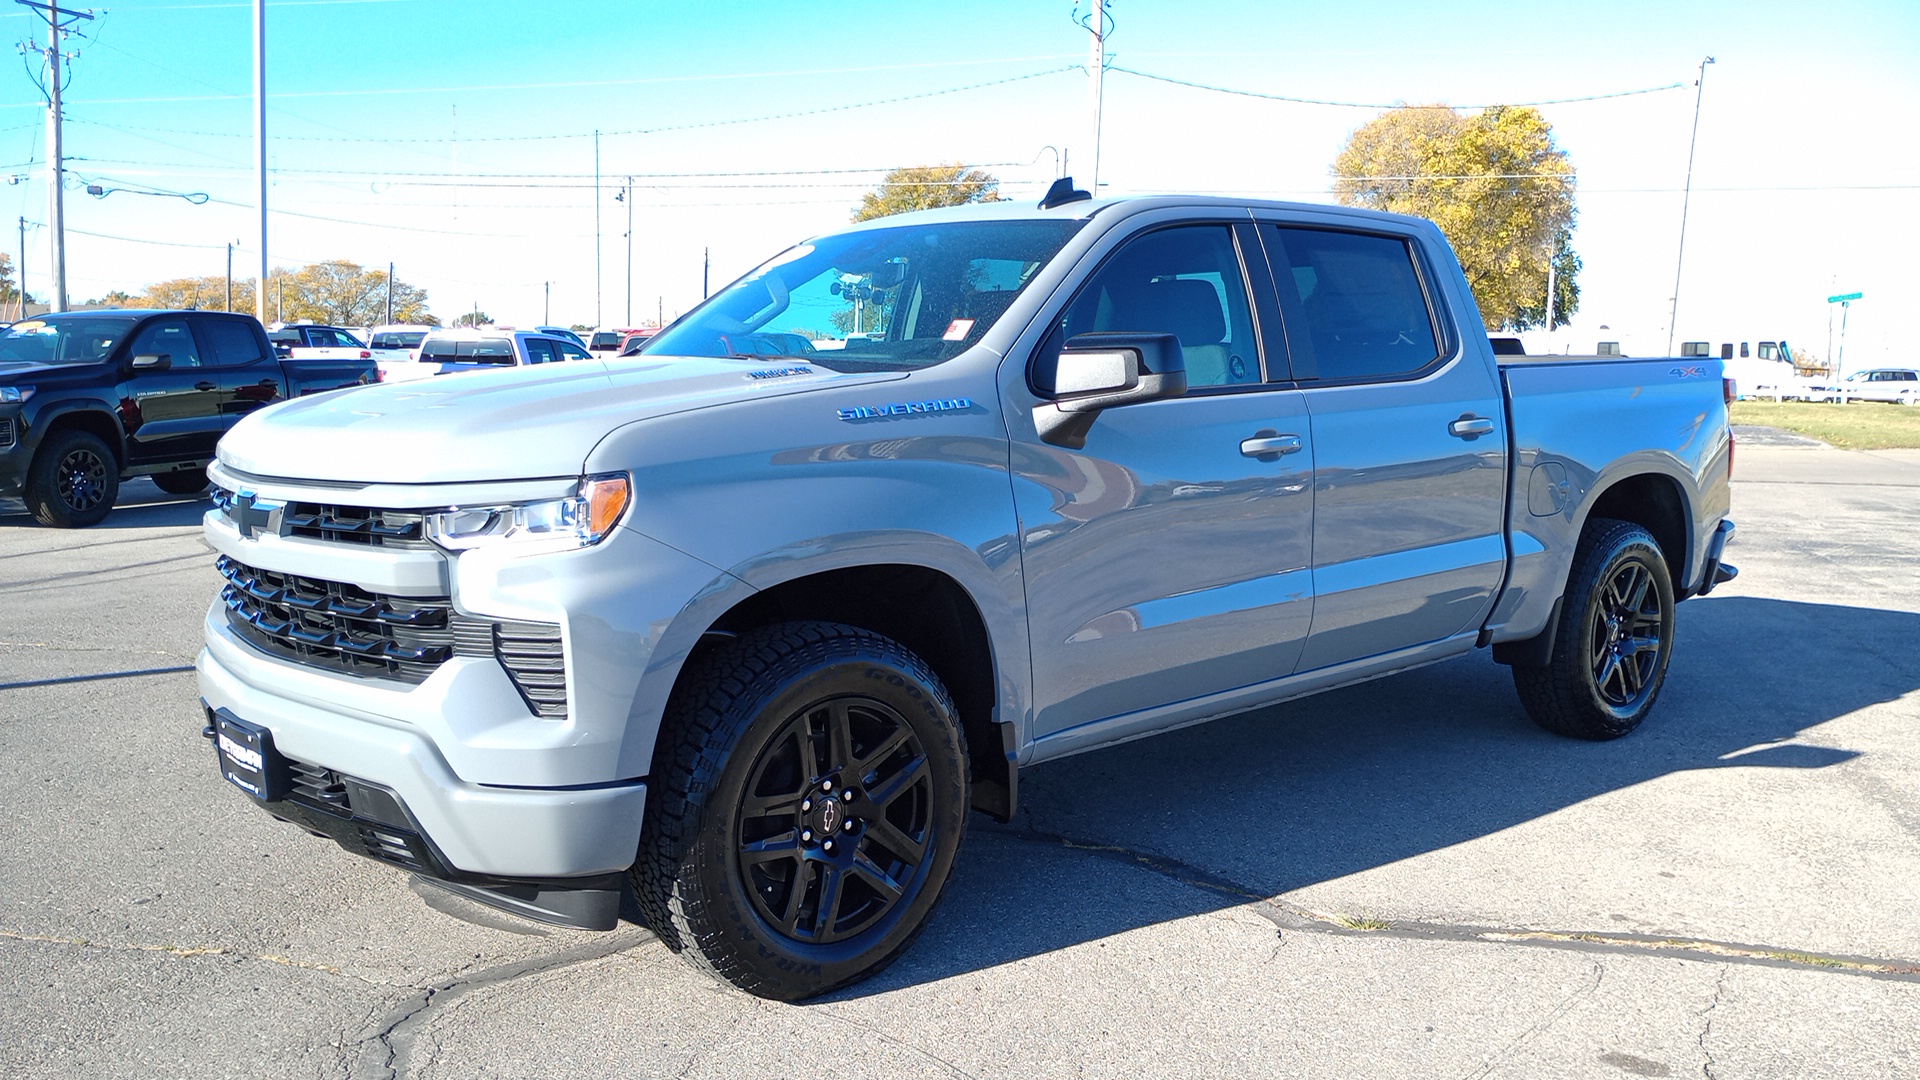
{"type": "Point", "coordinates": [185, 951]}
{"type": "Point", "coordinates": [1542, 1024]}
{"type": "Point", "coordinates": [1290, 916]}
{"type": "Point", "coordinates": [398, 1031]}
{"type": "Point", "coordinates": [887, 1036]}
{"type": "Point", "coordinates": [1706, 1026]}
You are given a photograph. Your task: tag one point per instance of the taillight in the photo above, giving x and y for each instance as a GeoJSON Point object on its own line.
{"type": "Point", "coordinates": [382, 376]}
{"type": "Point", "coordinates": [365, 355]}
{"type": "Point", "coordinates": [1728, 390]}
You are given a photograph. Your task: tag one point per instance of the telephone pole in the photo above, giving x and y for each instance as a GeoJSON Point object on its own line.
{"type": "Point", "coordinates": [598, 320]}
{"type": "Point", "coordinates": [389, 294]}
{"type": "Point", "coordinates": [626, 195]}
{"type": "Point", "coordinates": [1096, 24]}
{"type": "Point", "coordinates": [58, 19]}
{"type": "Point", "coordinates": [260, 155]}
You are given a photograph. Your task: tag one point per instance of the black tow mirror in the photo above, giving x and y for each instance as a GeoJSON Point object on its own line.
{"type": "Point", "coordinates": [153, 362]}
{"type": "Point", "coordinates": [1102, 371]}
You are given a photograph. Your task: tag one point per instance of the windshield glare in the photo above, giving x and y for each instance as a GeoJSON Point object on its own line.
{"type": "Point", "coordinates": [64, 339]}
{"type": "Point", "coordinates": [876, 300]}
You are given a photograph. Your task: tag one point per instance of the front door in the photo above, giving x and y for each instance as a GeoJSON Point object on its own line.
{"type": "Point", "coordinates": [1169, 558]}
{"type": "Point", "coordinates": [175, 413]}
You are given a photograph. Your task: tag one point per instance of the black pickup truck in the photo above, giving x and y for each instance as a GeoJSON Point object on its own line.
{"type": "Point", "coordinates": [90, 398]}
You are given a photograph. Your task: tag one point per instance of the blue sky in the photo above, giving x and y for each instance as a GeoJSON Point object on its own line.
{"type": "Point", "coordinates": [455, 138]}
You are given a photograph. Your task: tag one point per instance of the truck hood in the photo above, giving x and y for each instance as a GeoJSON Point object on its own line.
{"type": "Point", "coordinates": [515, 423]}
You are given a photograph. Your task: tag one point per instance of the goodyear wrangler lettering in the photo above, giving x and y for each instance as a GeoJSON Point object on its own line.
{"type": "Point", "coordinates": [906, 408]}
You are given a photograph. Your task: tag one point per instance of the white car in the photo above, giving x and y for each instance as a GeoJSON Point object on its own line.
{"type": "Point", "coordinates": [1900, 385]}
{"type": "Point", "coordinates": [311, 341]}
{"type": "Point", "coordinates": [397, 343]}
{"type": "Point", "coordinates": [449, 352]}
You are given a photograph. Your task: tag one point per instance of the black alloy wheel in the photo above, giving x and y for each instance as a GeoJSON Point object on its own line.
{"type": "Point", "coordinates": [1626, 636]}
{"type": "Point", "coordinates": [73, 480]}
{"type": "Point", "coordinates": [1613, 640]}
{"type": "Point", "coordinates": [807, 801]}
{"type": "Point", "coordinates": [835, 821]}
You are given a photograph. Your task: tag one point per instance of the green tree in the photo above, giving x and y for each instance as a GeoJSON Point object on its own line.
{"type": "Point", "coordinates": [342, 293]}
{"type": "Point", "coordinates": [9, 284]}
{"type": "Point", "coordinates": [117, 298]}
{"type": "Point", "coordinates": [923, 187]}
{"type": "Point", "coordinates": [1495, 184]}
{"type": "Point", "coordinates": [473, 318]}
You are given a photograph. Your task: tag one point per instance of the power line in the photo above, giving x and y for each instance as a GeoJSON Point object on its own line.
{"type": "Point", "coordinates": [1376, 105]}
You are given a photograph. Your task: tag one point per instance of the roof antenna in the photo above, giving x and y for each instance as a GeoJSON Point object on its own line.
{"type": "Point", "coordinates": [1061, 193]}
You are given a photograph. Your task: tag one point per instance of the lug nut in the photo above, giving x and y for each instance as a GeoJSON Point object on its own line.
{"type": "Point", "coordinates": [806, 805]}
{"type": "Point", "coordinates": [826, 785]}
{"type": "Point", "coordinates": [827, 846]}
{"type": "Point", "coordinates": [847, 826]}
{"type": "Point", "coordinates": [846, 795]}
{"type": "Point", "coordinates": [806, 834]}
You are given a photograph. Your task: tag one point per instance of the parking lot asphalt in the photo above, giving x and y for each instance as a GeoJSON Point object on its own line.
{"type": "Point", "coordinates": [1402, 878]}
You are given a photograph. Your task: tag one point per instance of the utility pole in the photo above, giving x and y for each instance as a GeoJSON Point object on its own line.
{"type": "Point", "coordinates": [24, 270]}
{"type": "Point", "coordinates": [280, 301]}
{"type": "Point", "coordinates": [1673, 315]}
{"type": "Point", "coordinates": [1096, 24]}
{"type": "Point", "coordinates": [597, 320]}
{"type": "Point", "coordinates": [627, 195]}
{"type": "Point", "coordinates": [260, 155]}
{"type": "Point", "coordinates": [58, 19]}
{"type": "Point", "coordinates": [659, 305]}
{"type": "Point", "coordinates": [229, 306]}
{"type": "Point", "coordinates": [547, 317]}
{"type": "Point", "coordinates": [389, 294]}
{"type": "Point", "coordinates": [706, 265]}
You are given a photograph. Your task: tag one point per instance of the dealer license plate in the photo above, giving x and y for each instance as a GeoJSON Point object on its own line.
{"type": "Point", "coordinates": [247, 757]}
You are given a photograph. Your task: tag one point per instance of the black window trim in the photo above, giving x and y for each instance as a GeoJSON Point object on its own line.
{"type": "Point", "coordinates": [1445, 337]}
{"type": "Point", "coordinates": [1261, 385]}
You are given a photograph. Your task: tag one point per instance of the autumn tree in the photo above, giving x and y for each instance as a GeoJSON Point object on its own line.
{"type": "Point", "coordinates": [476, 317]}
{"type": "Point", "coordinates": [204, 293]}
{"type": "Point", "coordinates": [1494, 183]}
{"type": "Point", "coordinates": [923, 187]}
{"type": "Point", "coordinates": [342, 293]}
{"type": "Point", "coordinates": [9, 284]}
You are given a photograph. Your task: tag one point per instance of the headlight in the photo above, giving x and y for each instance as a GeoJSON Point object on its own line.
{"type": "Point", "coordinates": [14, 395]}
{"type": "Point", "coordinates": [576, 521]}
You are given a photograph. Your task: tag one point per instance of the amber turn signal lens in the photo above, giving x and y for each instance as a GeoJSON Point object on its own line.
{"type": "Point", "coordinates": [606, 500]}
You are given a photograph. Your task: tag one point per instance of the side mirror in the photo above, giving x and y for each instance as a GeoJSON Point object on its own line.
{"type": "Point", "coordinates": [1102, 371]}
{"type": "Point", "coordinates": [153, 362]}
{"type": "Point", "coordinates": [282, 351]}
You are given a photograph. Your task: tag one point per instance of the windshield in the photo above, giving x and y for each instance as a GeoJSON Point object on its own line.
{"type": "Point", "coordinates": [399, 339]}
{"type": "Point", "coordinates": [64, 339]}
{"type": "Point", "coordinates": [876, 300]}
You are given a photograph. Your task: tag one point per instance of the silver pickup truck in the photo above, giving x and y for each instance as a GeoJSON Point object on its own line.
{"type": "Point", "coordinates": [755, 617]}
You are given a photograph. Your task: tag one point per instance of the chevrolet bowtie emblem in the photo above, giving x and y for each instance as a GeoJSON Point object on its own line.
{"type": "Point", "coordinates": [254, 516]}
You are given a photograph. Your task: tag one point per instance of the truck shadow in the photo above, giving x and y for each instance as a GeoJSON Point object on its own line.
{"type": "Point", "coordinates": [1288, 796]}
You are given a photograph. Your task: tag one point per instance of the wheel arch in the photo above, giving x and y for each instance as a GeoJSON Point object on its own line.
{"type": "Point", "coordinates": [89, 417]}
{"type": "Point", "coordinates": [1657, 503]}
{"type": "Point", "coordinates": [926, 610]}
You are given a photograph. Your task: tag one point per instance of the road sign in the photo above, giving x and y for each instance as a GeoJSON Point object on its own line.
{"type": "Point", "coordinates": [1843, 299]}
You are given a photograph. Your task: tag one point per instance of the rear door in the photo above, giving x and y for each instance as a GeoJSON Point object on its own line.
{"type": "Point", "coordinates": [249, 378]}
{"type": "Point", "coordinates": [1409, 444]}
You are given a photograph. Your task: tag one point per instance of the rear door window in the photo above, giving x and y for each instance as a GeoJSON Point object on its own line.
{"type": "Point", "coordinates": [1354, 304]}
{"type": "Point", "coordinates": [229, 342]}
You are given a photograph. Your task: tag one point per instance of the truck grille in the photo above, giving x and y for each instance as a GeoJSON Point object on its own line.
{"type": "Point", "coordinates": [356, 525]}
{"type": "Point", "coordinates": [340, 627]}
{"type": "Point", "coordinates": [6, 433]}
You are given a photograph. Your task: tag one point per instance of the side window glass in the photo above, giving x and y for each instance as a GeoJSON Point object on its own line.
{"type": "Point", "coordinates": [169, 338]}
{"type": "Point", "coordinates": [1183, 281]}
{"type": "Point", "coordinates": [230, 342]}
{"type": "Point", "coordinates": [1359, 300]}
{"type": "Point", "coordinates": [539, 352]}
{"type": "Point", "coordinates": [571, 352]}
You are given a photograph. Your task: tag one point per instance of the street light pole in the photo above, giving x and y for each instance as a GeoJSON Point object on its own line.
{"type": "Point", "coordinates": [229, 306]}
{"type": "Point", "coordinates": [1673, 314]}
{"type": "Point", "coordinates": [628, 194]}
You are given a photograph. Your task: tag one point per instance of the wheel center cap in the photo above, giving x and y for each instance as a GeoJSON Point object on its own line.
{"type": "Point", "coordinates": [827, 816]}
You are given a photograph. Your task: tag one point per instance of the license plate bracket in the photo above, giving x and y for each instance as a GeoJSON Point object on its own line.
{"type": "Point", "coordinates": [247, 757]}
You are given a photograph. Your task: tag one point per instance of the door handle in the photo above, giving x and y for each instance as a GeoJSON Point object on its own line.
{"type": "Point", "coordinates": [1269, 445]}
{"type": "Point", "coordinates": [204, 385]}
{"type": "Point", "coordinates": [1470, 427]}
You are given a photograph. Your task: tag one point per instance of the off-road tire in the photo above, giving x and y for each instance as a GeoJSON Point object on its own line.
{"type": "Point", "coordinates": [1613, 641]}
{"type": "Point", "coordinates": [747, 710]}
{"type": "Point", "coordinates": [181, 481]}
{"type": "Point", "coordinates": [73, 480]}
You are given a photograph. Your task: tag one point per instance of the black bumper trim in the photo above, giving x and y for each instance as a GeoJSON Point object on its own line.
{"type": "Point", "coordinates": [1717, 573]}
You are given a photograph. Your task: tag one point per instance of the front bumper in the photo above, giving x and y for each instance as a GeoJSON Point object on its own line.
{"type": "Point", "coordinates": [472, 830]}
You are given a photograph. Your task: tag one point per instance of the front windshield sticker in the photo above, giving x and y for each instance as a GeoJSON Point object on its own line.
{"type": "Point", "coordinates": [779, 373]}
{"type": "Point", "coordinates": [909, 408]}
{"type": "Point", "coordinates": [957, 330]}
